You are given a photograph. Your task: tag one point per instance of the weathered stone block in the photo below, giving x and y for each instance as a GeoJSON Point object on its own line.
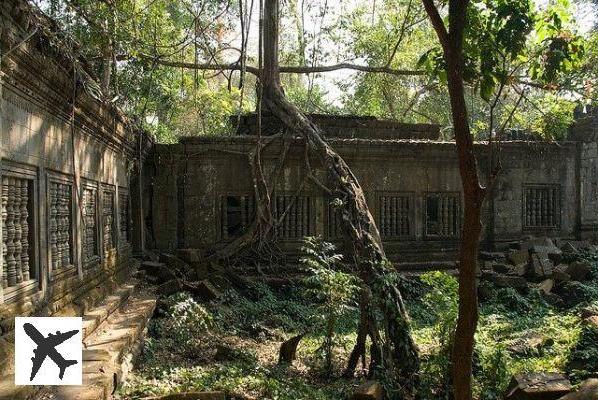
{"type": "Point", "coordinates": [579, 270]}
{"type": "Point", "coordinates": [519, 257]}
{"type": "Point", "coordinates": [538, 386]}
{"type": "Point", "coordinates": [559, 274]}
{"type": "Point", "coordinates": [370, 390]}
{"type": "Point", "coordinates": [542, 267]}
{"type": "Point", "coordinates": [588, 390]}
{"type": "Point", "coordinates": [546, 286]}
{"type": "Point", "coordinates": [515, 282]}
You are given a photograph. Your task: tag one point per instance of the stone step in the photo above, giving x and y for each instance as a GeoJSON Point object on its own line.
{"type": "Point", "coordinates": [92, 319]}
{"type": "Point", "coordinates": [109, 350]}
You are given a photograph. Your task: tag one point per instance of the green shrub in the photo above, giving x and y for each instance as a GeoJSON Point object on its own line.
{"type": "Point", "coordinates": [493, 375]}
{"type": "Point", "coordinates": [583, 360]}
{"type": "Point", "coordinates": [332, 289]}
{"type": "Point", "coordinates": [441, 300]}
{"type": "Point", "coordinates": [187, 320]}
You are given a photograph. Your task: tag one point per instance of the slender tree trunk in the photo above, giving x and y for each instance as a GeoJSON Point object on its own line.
{"type": "Point", "coordinates": [399, 352]}
{"type": "Point", "coordinates": [473, 193]}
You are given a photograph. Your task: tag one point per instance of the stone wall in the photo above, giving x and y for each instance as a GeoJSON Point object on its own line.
{"type": "Point", "coordinates": [412, 187]}
{"type": "Point", "coordinates": [585, 132]}
{"type": "Point", "coordinates": [67, 160]}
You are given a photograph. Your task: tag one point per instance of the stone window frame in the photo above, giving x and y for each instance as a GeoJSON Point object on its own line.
{"type": "Point", "coordinates": [329, 219]}
{"type": "Point", "coordinates": [439, 193]}
{"type": "Point", "coordinates": [72, 268]}
{"type": "Point", "coordinates": [557, 212]}
{"type": "Point", "coordinates": [38, 274]}
{"type": "Point", "coordinates": [88, 266]}
{"type": "Point", "coordinates": [311, 218]}
{"type": "Point", "coordinates": [126, 241]}
{"type": "Point", "coordinates": [221, 210]}
{"type": "Point", "coordinates": [412, 213]}
{"type": "Point", "coordinates": [108, 188]}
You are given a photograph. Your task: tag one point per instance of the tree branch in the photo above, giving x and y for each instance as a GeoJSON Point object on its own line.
{"type": "Point", "coordinates": [299, 69]}
{"type": "Point", "coordinates": [437, 22]}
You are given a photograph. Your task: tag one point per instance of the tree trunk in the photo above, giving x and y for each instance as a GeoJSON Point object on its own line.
{"type": "Point", "coordinates": [473, 195]}
{"type": "Point", "coordinates": [399, 354]}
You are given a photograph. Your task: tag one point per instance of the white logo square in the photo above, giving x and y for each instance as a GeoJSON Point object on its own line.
{"type": "Point", "coordinates": [48, 350]}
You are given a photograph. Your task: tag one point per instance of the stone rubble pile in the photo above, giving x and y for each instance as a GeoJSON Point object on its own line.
{"type": "Point", "coordinates": [553, 266]}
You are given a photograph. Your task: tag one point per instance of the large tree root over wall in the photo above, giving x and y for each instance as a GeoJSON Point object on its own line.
{"type": "Point", "coordinates": [394, 353]}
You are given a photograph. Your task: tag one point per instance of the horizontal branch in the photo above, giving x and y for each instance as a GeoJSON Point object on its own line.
{"type": "Point", "coordinates": [354, 67]}
{"type": "Point", "coordinates": [285, 69]}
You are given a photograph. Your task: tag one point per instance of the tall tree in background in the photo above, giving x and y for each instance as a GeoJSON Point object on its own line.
{"type": "Point", "coordinates": [486, 41]}
{"type": "Point", "coordinates": [451, 40]}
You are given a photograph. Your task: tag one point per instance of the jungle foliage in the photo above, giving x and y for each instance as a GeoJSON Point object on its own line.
{"type": "Point", "coordinates": [142, 51]}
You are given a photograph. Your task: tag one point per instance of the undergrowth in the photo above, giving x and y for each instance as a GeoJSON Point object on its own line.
{"type": "Point", "coordinates": [516, 333]}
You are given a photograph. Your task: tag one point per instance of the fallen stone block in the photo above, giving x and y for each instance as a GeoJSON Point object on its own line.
{"type": "Point", "coordinates": [370, 390]}
{"type": "Point", "coordinates": [174, 262]}
{"type": "Point", "coordinates": [205, 290]}
{"type": "Point", "coordinates": [157, 271]}
{"type": "Point", "coordinates": [588, 390]}
{"type": "Point", "coordinates": [579, 270]}
{"type": "Point", "coordinates": [515, 282]}
{"type": "Point", "coordinates": [559, 273]}
{"type": "Point", "coordinates": [492, 256]}
{"type": "Point", "coordinates": [518, 257]}
{"type": "Point", "coordinates": [170, 287]}
{"type": "Point", "coordinates": [538, 386]}
{"type": "Point", "coordinates": [518, 270]}
{"type": "Point", "coordinates": [546, 286]}
{"type": "Point", "coordinates": [541, 266]}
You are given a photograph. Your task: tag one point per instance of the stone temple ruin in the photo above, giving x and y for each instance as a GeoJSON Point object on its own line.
{"type": "Point", "coordinates": [84, 191]}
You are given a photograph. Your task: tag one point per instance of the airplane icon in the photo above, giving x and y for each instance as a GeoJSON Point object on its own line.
{"type": "Point", "coordinates": [46, 347]}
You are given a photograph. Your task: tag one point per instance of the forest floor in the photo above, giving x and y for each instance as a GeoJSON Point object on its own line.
{"type": "Point", "coordinates": [232, 344]}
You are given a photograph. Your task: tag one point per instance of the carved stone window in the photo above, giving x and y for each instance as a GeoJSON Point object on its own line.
{"type": "Point", "coordinates": [109, 226]}
{"type": "Point", "coordinates": [541, 206]}
{"type": "Point", "coordinates": [17, 235]}
{"type": "Point", "coordinates": [91, 253]}
{"type": "Point", "coordinates": [238, 213]}
{"type": "Point", "coordinates": [335, 227]}
{"type": "Point", "coordinates": [60, 225]}
{"type": "Point", "coordinates": [125, 217]}
{"type": "Point", "coordinates": [396, 215]}
{"type": "Point", "coordinates": [295, 216]}
{"type": "Point", "coordinates": [442, 214]}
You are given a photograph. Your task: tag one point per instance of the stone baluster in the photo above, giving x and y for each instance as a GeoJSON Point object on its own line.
{"type": "Point", "coordinates": [25, 231]}
{"type": "Point", "coordinates": [53, 227]}
{"type": "Point", "coordinates": [4, 231]}
{"type": "Point", "coordinates": [66, 224]}
{"type": "Point", "coordinates": [11, 270]}
{"type": "Point", "coordinates": [18, 247]}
